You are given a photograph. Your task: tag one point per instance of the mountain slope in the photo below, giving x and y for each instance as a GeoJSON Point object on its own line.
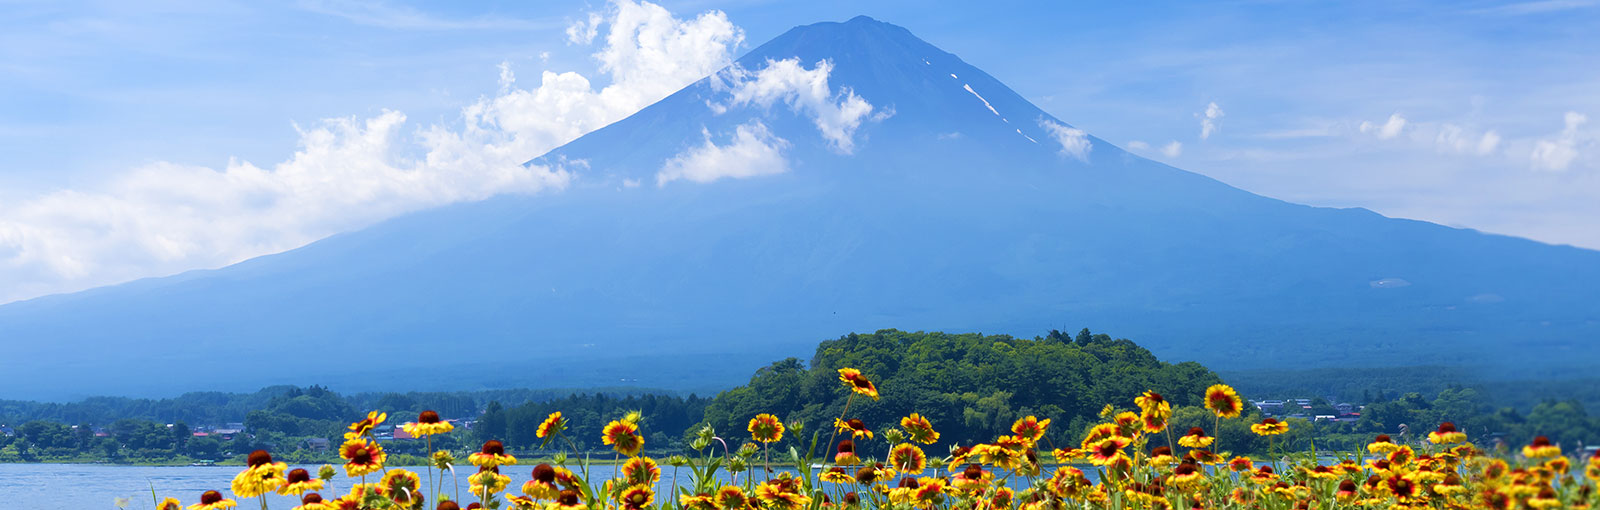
{"type": "Point", "coordinates": [955, 204]}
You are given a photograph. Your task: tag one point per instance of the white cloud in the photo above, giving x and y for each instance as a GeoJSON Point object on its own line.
{"type": "Point", "coordinates": [836, 115]}
{"type": "Point", "coordinates": [1074, 142]}
{"type": "Point", "coordinates": [1138, 145]}
{"type": "Point", "coordinates": [1558, 153]}
{"type": "Point", "coordinates": [1172, 150]}
{"type": "Point", "coordinates": [1209, 120]}
{"type": "Point", "coordinates": [583, 31]}
{"type": "Point", "coordinates": [163, 218]}
{"type": "Point", "coordinates": [1453, 138]}
{"type": "Point", "coordinates": [753, 151]}
{"type": "Point", "coordinates": [1387, 130]}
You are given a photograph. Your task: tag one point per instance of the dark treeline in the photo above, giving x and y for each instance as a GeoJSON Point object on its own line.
{"type": "Point", "coordinates": [1379, 384]}
{"type": "Point", "coordinates": [971, 386]}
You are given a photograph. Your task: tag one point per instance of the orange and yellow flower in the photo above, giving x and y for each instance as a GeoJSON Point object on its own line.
{"type": "Point", "coordinates": [365, 426]}
{"type": "Point", "coordinates": [427, 424]}
{"type": "Point", "coordinates": [783, 493]}
{"type": "Point", "coordinates": [731, 497]}
{"type": "Point", "coordinates": [402, 486]}
{"type": "Point", "coordinates": [362, 457]}
{"type": "Point", "coordinates": [1223, 401]}
{"type": "Point", "coordinates": [1382, 444]}
{"type": "Point", "coordinates": [1196, 438]}
{"type": "Point", "coordinates": [1030, 428]}
{"type": "Point", "coordinates": [1152, 403]}
{"type": "Point", "coordinates": [260, 476]}
{"type": "Point", "coordinates": [568, 500]}
{"type": "Point", "coordinates": [492, 454]}
{"type": "Point", "coordinates": [488, 480]}
{"type": "Point", "coordinates": [213, 500]}
{"type": "Point", "coordinates": [856, 428]}
{"type": "Point", "coordinates": [919, 429]}
{"type": "Point", "coordinates": [552, 425]}
{"type": "Point", "coordinates": [1447, 434]}
{"type": "Point", "coordinates": [623, 436]}
{"type": "Point", "coordinates": [641, 471]}
{"type": "Point", "coordinates": [766, 428]}
{"type": "Point", "coordinates": [846, 453]}
{"type": "Point", "coordinates": [1540, 448]}
{"type": "Point", "coordinates": [1269, 427]}
{"type": "Point", "coordinates": [170, 504]}
{"type": "Point", "coordinates": [857, 382]}
{"type": "Point", "coordinates": [908, 458]}
{"type": "Point", "coordinates": [299, 481]}
{"type": "Point", "coordinates": [541, 483]}
{"type": "Point", "coordinates": [314, 501]}
{"type": "Point", "coordinates": [1108, 451]}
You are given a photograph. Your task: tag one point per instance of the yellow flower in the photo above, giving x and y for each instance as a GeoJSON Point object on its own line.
{"type": "Point", "coordinates": [1030, 428]}
{"type": "Point", "coordinates": [637, 497]}
{"type": "Point", "coordinates": [553, 424]}
{"type": "Point", "coordinates": [641, 471]}
{"type": "Point", "coordinates": [1540, 448]}
{"type": "Point", "coordinates": [731, 497]}
{"type": "Point", "coordinates": [260, 476]}
{"type": "Point", "coordinates": [365, 426]}
{"type": "Point", "coordinates": [213, 500]}
{"type": "Point", "coordinates": [919, 429]}
{"type": "Point", "coordinates": [427, 424]}
{"type": "Point", "coordinates": [1447, 434]}
{"type": "Point", "coordinates": [313, 501]}
{"type": "Point", "coordinates": [1108, 451]}
{"type": "Point", "coordinates": [846, 453]}
{"type": "Point", "coordinates": [1382, 444]}
{"type": "Point", "coordinates": [488, 480]}
{"type": "Point", "coordinates": [1223, 401]}
{"type": "Point", "coordinates": [568, 500]}
{"type": "Point", "coordinates": [929, 492]}
{"type": "Point", "coordinates": [362, 457]}
{"type": "Point", "coordinates": [492, 454]}
{"type": "Point", "coordinates": [1269, 427]}
{"type": "Point", "coordinates": [299, 481]}
{"type": "Point", "coordinates": [1153, 403]}
{"type": "Point", "coordinates": [1196, 438]}
{"type": "Point", "coordinates": [623, 436]}
{"type": "Point", "coordinates": [1186, 474]}
{"type": "Point", "coordinates": [701, 501]}
{"type": "Point", "coordinates": [402, 487]}
{"type": "Point", "coordinates": [782, 493]}
{"type": "Point", "coordinates": [908, 458]}
{"type": "Point", "coordinates": [856, 428]}
{"type": "Point", "coordinates": [523, 503]}
{"type": "Point", "coordinates": [542, 483]}
{"type": "Point", "coordinates": [170, 504]}
{"type": "Point", "coordinates": [837, 475]}
{"type": "Point", "coordinates": [858, 383]}
{"type": "Point", "coordinates": [766, 428]}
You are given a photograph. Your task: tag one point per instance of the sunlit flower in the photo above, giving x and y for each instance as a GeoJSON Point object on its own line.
{"type": "Point", "coordinates": [1030, 428]}
{"type": "Point", "coordinates": [170, 504]}
{"type": "Point", "coordinates": [1447, 434]}
{"type": "Point", "coordinates": [488, 478]}
{"type": "Point", "coordinates": [1153, 422]}
{"type": "Point", "coordinates": [1161, 456]}
{"type": "Point", "coordinates": [1153, 403]}
{"type": "Point", "coordinates": [858, 383]}
{"type": "Point", "coordinates": [919, 429]}
{"type": "Point", "coordinates": [1223, 401]}
{"type": "Point", "coordinates": [1098, 433]}
{"type": "Point", "coordinates": [552, 425]}
{"type": "Point", "coordinates": [313, 501]}
{"type": "Point", "coordinates": [524, 503]}
{"type": "Point", "coordinates": [1540, 448]}
{"type": "Point", "coordinates": [855, 427]}
{"type": "Point", "coordinates": [213, 500]}
{"type": "Point", "coordinates": [623, 436]}
{"type": "Point", "coordinates": [783, 493]}
{"type": "Point", "coordinates": [731, 497]}
{"type": "Point", "coordinates": [971, 478]}
{"type": "Point", "coordinates": [1401, 456]}
{"type": "Point", "coordinates": [766, 428]}
{"type": "Point", "coordinates": [260, 476]}
{"type": "Point", "coordinates": [1382, 444]}
{"type": "Point", "coordinates": [1204, 456]}
{"type": "Point", "coordinates": [845, 453]}
{"type": "Point", "coordinates": [1128, 424]}
{"type": "Point", "coordinates": [568, 500]}
{"type": "Point", "coordinates": [701, 501]}
{"type": "Point", "coordinates": [362, 457]}
{"type": "Point", "coordinates": [641, 471]}
{"type": "Point", "coordinates": [299, 481]}
{"type": "Point", "coordinates": [908, 458]}
{"type": "Point", "coordinates": [868, 475]}
{"type": "Point", "coordinates": [837, 474]}
{"type": "Point", "coordinates": [1108, 451]}
{"type": "Point", "coordinates": [427, 424]}
{"type": "Point", "coordinates": [541, 483]}
{"type": "Point", "coordinates": [637, 497]}
{"type": "Point", "coordinates": [929, 492]}
{"type": "Point", "coordinates": [1187, 474]}
{"type": "Point", "coordinates": [1196, 438]}
{"type": "Point", "coordinates": [1241, 464]}
{"type": "Point", "coordinates": [365, 426]}
{"type": "Point", "coordinates": [1269, 427]}
{"type": "Point", "coordinates": [402, 486]}
{"type": "Point", "coordinates": [492, 454]}
{"type": "Point", "coordinates": [1263, 475]}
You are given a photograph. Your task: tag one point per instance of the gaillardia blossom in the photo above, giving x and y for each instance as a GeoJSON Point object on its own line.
{"type": "Point", "coordinates": [858, 383]}
{"type": "Point", "coordinates": [427, 424]}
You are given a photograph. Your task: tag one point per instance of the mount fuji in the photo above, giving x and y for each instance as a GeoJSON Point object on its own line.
{"type": "Point", "coordinates": [843, 177]}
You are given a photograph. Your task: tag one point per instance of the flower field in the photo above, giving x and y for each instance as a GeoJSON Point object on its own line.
{"type": "Point", "coordinates": [1134, 459]}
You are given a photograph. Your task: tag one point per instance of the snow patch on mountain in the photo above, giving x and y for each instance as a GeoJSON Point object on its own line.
{"type": "Point", "coordinates": [980, 98]}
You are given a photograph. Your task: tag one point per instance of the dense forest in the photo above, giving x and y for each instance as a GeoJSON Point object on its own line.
{"type": "Point", "coordinates": [971, 386]}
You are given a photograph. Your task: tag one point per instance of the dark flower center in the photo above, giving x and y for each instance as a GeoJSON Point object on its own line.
{"type": "Point", "coordinates": [493, 447]}
{"type": "Point", "coordinates": [544, 473]}
{"type": "Point", "coordinates": [210, 497]}
{"type": "Point", "coordinates": [847, 446]}
{"type": "Point", "coordinates": [259, 457]}
{"type": "Point", "coordinates": [1541, 441]}
{"type": "Point", "coordinates": [568, 498]}
{"type": "Point", "coordinates": [298, 475]}
{"type": "Point", "coordinates": [428, 417]}
{"type": "Point", "coordinates": [908, 483]}
{"type": "Point", "coordinates": [311, 498]}
{"type": "Point", "coordinates": [1197, 432]}
{"type": "Point", "coordinates": [1447, 427]}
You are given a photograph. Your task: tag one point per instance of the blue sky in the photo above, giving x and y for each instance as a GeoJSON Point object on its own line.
{"type": "Point", "coordinates": [147, 138]}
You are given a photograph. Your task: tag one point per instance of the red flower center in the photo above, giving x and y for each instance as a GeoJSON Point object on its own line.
{"type": "Point", "coordinates": [544, 473]}
{"type": "Point", "coordinates": [428, 417]}
{"type": "Point", "coordinates": [298, 475]}
{"type": "Point", "coordinates": [493, 447]}
{"type": "Point", "coordinates": [311, 498]}
{"type": "Point", "coordinates": [210, 497]}
{"type": "Point", "coordinates": [258, 457]}
{"type": "Point", "coordinates": [568, 498]}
